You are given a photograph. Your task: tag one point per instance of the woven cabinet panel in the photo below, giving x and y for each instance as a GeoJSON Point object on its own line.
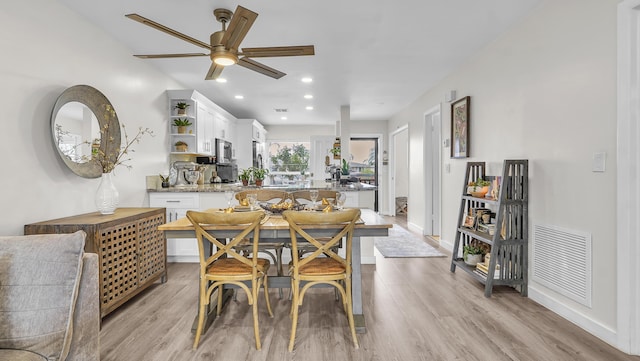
{"type": "Point", "coordinates": [151, 247]}
{"type": "Point", "coordinates": [118, 258]}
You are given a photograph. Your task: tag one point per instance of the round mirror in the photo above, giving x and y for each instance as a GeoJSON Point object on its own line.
{"type": "Point", "coordinates": [81, 114]}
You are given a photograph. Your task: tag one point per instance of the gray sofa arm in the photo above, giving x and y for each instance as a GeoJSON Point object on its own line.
{"type": "Point", "coordinates": [85, 344]}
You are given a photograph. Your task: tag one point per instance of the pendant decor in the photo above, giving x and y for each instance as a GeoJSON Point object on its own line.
{"type": "Point", "coordinates": [107, 195]}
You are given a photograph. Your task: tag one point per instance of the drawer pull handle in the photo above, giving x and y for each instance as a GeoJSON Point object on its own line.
{"type": "Point", "coordinates": [169, 201]}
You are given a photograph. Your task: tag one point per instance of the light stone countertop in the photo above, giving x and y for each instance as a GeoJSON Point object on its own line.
{"type": "Point", "coordinates": [221, 187]}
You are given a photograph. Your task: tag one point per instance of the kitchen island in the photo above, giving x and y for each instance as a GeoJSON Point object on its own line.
{"type": "Point", "coordinates": [178, 200]}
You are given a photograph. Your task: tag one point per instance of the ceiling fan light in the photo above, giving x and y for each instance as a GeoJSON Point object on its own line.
{"type": "Point", "coordinates": [225, 59]}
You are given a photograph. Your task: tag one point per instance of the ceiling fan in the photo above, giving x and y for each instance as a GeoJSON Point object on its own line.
{"type": "Point", "coordinates": [224, 44]}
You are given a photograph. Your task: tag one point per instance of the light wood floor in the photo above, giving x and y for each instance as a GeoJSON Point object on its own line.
{"type": "Point", "coordinates": [415, 309]}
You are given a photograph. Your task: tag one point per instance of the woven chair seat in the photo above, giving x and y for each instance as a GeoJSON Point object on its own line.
{"type": "Point", "coordinates": [233, 267]}
{"type": "Point", "coordinates": [322, 266]}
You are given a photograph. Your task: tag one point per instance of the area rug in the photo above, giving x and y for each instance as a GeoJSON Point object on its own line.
{"type": "Point", "coordinates": [403, 244]}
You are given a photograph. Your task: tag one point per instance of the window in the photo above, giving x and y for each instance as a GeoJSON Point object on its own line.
{"type": "Point", "coordinates": [364, 159]}
{"type": "Point", "coordinates": [288, 160]}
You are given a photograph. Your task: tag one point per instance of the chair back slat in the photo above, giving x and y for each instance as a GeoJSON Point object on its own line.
{"type": "Point", "coordinates": [250, 222]}
{"type": "Point", "coordinates": [264, 195]}
{"type": "Point", "coordinates": [342, 222]}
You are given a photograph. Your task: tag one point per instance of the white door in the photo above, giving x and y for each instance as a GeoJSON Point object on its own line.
{"type": "Point", "coordinates": [320, 146]}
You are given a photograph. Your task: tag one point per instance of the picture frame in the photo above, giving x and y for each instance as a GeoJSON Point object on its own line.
{"type": "Point", "coordinates": [460, 111]}
{"type": "Point", "coordinates": [469, 222]}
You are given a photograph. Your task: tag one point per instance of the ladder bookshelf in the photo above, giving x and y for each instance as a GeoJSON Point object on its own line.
{"type": "Point", "coordinates": [508, 256]}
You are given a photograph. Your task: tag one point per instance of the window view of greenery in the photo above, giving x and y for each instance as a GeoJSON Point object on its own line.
{"type": "Point", "coordinates": [289, 161]}
{"type": "Point", "coordinates": [289, 157]}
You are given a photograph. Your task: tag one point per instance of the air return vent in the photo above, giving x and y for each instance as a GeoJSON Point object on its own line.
{"type": "Point", "coordinates": [561, 260]}
{"type": "Point", "coordinates": [281, 110]}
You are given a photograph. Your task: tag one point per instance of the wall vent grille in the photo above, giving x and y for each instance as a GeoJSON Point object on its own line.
{"type": "Point", "coordinates": [281, 110]}
{"type": "Point", "coordinates": [561, 260]}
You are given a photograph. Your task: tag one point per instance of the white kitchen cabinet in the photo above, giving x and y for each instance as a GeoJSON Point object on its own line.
{"type": "Point", "coordinates": [190, 131]}
{"type": "Point", "coordinates": [223, 127]}
{"type": "Point", "coordinates": [204, 131]}
{"type": "Point", "coordinates": [352, 200]}
{"type": "Point", "coordinates": [214, 200]}
{"type": "Point", "coordinates": [177, 205]}
{"type": "Point", "coordinates": [209, 120]}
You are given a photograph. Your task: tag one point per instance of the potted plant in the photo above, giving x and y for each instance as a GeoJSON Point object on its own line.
{"type": "Point", "coordinates": [259, 174]}
{"type": "Point", "coordinates": [245, 175]}
{"type": "Point", "coordinates": [479, 188]}
{"type": "Point", "coordinates": [335, 152]}
{"type": "Point", "coordinates": [472, 254]}
{"type": "Point", "coordinates": [182, 108]}
{"type": "Point", "coordinates": [345, 167]}
{"type": "Point", "coordinates": [181, 146]}
{"type": "Point", "coordinates": [182, 124]}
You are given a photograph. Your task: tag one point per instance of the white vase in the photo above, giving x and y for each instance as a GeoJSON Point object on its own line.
{"type": "Point", "coordinates": [107, 195]}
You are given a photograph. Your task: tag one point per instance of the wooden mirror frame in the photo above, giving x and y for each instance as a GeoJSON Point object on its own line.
{"type": "Point", "coordinates": [98, 104]}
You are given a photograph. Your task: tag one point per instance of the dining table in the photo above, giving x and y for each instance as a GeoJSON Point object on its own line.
{"type": "Point", "coordinates": [274, 227]}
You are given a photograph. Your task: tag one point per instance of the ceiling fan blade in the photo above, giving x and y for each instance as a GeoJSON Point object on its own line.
{"type": "Point", "coordinates": [153, 24]}
{"type": "Point", "coordinates": [278, 51]}
{"type": "Point", "coordinates": [260, 68]}
{"type": "Point", "coordinates": [160, 56]}
{"type": "Point", "coordinates": [239, 26]}
{"type": "Point", "coordinates": [214, 71]}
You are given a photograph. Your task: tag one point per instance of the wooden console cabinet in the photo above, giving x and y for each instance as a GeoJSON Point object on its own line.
{"type": "Point", "coordinates": [132, 252]}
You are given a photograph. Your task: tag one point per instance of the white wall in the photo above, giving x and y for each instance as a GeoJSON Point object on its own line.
{"type": "Point", "coordinates": [544, 91]}
{"type": "Point", "coordinates": [47, 48]}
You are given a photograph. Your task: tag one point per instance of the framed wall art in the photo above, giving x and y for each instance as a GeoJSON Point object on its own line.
{"type": "Point", "coordinates": [460, 128]}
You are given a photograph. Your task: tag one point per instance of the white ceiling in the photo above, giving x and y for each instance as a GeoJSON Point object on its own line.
{"type": "Point", "coordinates": [375, 56]}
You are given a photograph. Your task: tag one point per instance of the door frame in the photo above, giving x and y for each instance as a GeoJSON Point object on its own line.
{"type": "Point", "coordinates": [378, 166]}
{"type": "Point", "coordinates": [432, 170]}
{"type": "Point", "coordinates": [391, 202]}
{"type": "Point", "coordinates": [628, 196]}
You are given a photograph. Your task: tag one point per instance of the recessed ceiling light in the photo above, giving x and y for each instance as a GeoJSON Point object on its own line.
{"type": "Point", "coordinates": [307, 80]}
{"type": "Point", "coordinates": [239, 96]}
{"type": "Point", "coordinates": [308, 96]}
{"type": "Point", "coordinates": [221, 80]}
{"type": "Point", "coordinates": [309, 108]}
{"type": "Point", "coordinates": [283, 118]}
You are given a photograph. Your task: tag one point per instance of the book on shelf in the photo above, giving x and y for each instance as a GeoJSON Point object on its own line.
{"type": "Point", "coordinates": [484, 267]}
{"type": "Point", "coordinates": [484, 275]}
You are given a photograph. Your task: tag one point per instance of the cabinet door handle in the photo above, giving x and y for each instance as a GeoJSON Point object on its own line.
{"type": "Point", "coordinates": [173, 201]}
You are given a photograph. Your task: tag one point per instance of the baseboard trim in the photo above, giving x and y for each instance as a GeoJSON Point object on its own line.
{"type": "Point", "coordinates": [588, 324]}
{"type": "Point", "coordinates": [414, 227]}
{"type": "Point", "coordinates": [446, 245]}
{"type": "Point", "coordinates": [183, 259]}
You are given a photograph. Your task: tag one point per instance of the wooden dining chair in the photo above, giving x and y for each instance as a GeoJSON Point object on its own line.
{"type": "Point", "coordinates": [315, 269]}
{"type": "Point", "coordinates": [304, 197]}
{"type": "Point", "coordinates": [226, 266]}
{"type": "Point", "coordinates": [272, 249]}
